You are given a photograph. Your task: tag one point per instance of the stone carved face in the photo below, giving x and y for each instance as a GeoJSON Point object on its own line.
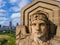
{"type": "Point", "coordinates": [39, 25]}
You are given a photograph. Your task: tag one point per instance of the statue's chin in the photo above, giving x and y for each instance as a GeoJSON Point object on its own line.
{"type": "Point", "coordinates": [39, 35]}
{"type": "Point", "coordinates": [43, 38]}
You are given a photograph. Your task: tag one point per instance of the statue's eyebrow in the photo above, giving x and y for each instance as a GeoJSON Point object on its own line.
{"type": "Point", "coordinates": [36, 17]}
{"type": "Point", "coordinates": [42, 24]}
{"type": "Point", "coordinates": [33, 24]}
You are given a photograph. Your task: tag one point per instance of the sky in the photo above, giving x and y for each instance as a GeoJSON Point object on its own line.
{"type": "Point", "coordinates": [10, 11]}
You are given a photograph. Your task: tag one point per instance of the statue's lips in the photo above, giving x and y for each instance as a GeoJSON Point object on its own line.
{"type": "Point", "coordinates": [38, 34]}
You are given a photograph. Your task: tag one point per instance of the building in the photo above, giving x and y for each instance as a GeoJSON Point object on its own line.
{"type": "Point", "coordinates": [10, 27]}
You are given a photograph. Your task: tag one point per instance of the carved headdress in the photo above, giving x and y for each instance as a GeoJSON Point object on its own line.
{"type": "Point", "coordinates": [39, 16]}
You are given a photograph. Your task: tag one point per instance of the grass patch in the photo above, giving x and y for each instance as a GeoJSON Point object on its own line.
{"type": "Point", "coordinates": [9, 40]}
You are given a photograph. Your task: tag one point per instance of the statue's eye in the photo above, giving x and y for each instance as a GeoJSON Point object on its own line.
{"type": "Point", "coordinates": [34, 24]}
{"type": "Point", "coordinates": [42, 24]}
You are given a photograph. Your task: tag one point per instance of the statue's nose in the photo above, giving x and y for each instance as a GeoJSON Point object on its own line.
{"type": "Point", "coordinates": [38, 27]}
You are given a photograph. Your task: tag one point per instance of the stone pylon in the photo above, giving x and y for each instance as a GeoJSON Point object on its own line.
{"type": "Point", "coordinates": [49, 7]}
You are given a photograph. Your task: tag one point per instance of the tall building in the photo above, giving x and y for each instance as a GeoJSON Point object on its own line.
{"type": "Point", "coordinates": [10, 25]}
{"type": "Point", "coordinates": [17, 24]}
{"type": "Point", "coordinates": [0, 26]}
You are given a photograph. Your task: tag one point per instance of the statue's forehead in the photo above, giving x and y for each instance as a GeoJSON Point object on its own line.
{"type": "Point", "coordinates": [38, 17]}
{"type": "Point", "coordinates": [38, 22]}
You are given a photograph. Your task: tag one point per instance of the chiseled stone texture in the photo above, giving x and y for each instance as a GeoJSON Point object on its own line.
{"type": "Point", "coordinates": [51, 8]}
